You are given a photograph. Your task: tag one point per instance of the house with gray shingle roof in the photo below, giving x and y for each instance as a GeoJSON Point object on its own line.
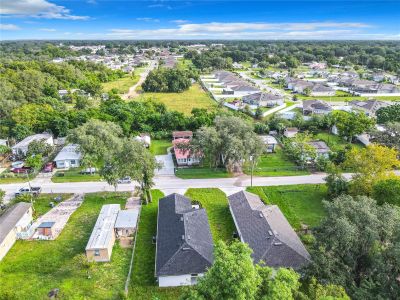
{"type": "Point", "coordinates": [267, 232]}
{"type": "Point", "coordinates": [318, 107]}
{"type": "Point", "coordinates": [263, 99]}
{"type": "Point", "coordinates": [369, 107]}
{"type": "Point", "coordinates": [184, 248]}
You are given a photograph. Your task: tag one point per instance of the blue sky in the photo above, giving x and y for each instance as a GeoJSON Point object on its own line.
{"type": "Point", "coordinates": [200, 19]}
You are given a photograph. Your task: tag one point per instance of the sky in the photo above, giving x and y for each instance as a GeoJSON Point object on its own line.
{"type": "Point", "coordinates": [200, 19]}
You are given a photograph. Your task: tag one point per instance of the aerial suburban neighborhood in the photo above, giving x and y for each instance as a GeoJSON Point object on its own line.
{"type": "Point", "coordinates": [180, 157]}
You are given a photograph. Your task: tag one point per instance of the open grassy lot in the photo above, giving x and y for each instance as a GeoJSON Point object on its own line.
{"type": "Point", "coordinates": [143, 284]}
{"type": "Point", "coordinates": [201, 173]}
{"type": "Point", "coordinates": [276, 164]}
{"type": "Point", "coordinates": [122, 85]}
{"type": "Point", "coordinates": [160, 147]}
{"type": "Point", "coordinates": [74, 175]}
{"type": "Point", "coordinates": [183, 102]}
{"type": "Point", "coordinates": [301, 204]}
{"type": "Point", "coordinates": [215, 202]}
{"type": "Point", "coordinates": [32, 268]}
{"type": "Point", "coordinates": [334, 142]}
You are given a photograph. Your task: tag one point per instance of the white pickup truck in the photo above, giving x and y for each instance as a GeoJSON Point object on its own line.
{"type": "Point", "coordinates": [35, 191]}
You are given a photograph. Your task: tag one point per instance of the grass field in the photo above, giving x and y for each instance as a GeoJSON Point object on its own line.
{"type": "Point", "coordinates": [183, 102]}
{"type": "Point", "coordinates": [13, 180]}
{"type": "Point", "coordinates": [334, 142]}
{"type": "Point", "coordinates": [201, 173]}
{"type": "Point", "coordinates": [301, 204]}
{"type": "Point", "coordinates": [32, 268]}
{"type": "Point", "coordinates": [276, 164]}
{"type": "Point", "coordinates": [159, 147]}
{"type": "Point", "coordinates": [122, 85]}
{"type": "Point", "coordinates": [74, 175]}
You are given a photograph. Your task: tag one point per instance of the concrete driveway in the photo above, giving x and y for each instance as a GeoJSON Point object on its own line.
{"type": "Point", "coordinates": [168, 165]}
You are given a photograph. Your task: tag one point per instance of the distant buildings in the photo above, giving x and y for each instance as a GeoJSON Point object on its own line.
{"type": "Point", "coordinates": [369, 107]}
{"type": "Point", "coordinates": [318, 107]}
{"type": "Point", "coordinates": [263, 99]}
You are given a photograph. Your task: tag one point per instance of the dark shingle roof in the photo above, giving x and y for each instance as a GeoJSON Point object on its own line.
{"type": "Point", "coordinates": [267, 232]}
{"type": "Point", "coordinates": [184, 242]}
{"type": "Point", "coordinates": [11, 217]}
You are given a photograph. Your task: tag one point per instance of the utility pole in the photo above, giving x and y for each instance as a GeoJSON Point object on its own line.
{"type": "Point", "coordinates": [252, 169]}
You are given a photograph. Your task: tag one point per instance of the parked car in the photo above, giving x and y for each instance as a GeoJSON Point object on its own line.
{"type": "Point", "coordinates": [34, 190]}
{"type": "Point", "coordinates": [126, 179]}
{"type": "Point", "coordinates": [48, 168]}
{"type": "Point", "coordinates": [89, 171]}
{"type": "Point", "coordinates": [17, 164]}
{"type": "Point", "coordinates": [22, 170]}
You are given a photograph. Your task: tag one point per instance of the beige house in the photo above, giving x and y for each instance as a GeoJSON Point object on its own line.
{"type": "Point", "coordinates": [126, 222]}
{"type": "Point", "coordinates": [15, 223]}
{"type": "Point", "coordinates": [102, 239]}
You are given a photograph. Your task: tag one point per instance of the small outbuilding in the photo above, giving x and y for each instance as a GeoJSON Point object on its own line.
{"type": "Point", "coordinates": [46, 229]}
{"type": "Point", "coordinates": [270, 143]}
{"type": "Point", "coordinates": [290, 132]}
{"type": "Point", "coordinates": [126, 222]}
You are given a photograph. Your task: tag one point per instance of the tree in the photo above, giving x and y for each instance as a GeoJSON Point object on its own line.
{"type": "Point", "coordinates": [387, 191]}
{"type": "Point", "coordinates": [34, 161]}
{"type": "Point", "coordinates": [299, 150]}
{"type": "Point", "coordinates": [317, 291]}
{"type": "Point", "coordinates": [39, 147]}
{"type": "Point", "coordinates": [167, 80]}
{"type": "Point", "coordinates": [370, 165]}
{"type": "Point", "coordinates": [232, 275]}
{"type": "Point", "coordinates": [336, 183]}
{"type": "Point", "coordinates": [356, 247]}
{"type": "Point", "coordinates": [2, 194]}
{"type": "Point", "coordinates": [352, 124]}
{"type": "Point", "coordinates": [388, 114]}
{"type": "Point", "coordinates": [4, 150]}
{"type": "Point", "coordinates": [307, 91]}
{"type": "Point", "coordinates": [390, 137]}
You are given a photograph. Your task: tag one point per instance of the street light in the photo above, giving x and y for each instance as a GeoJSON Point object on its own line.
{"type": "Point", "coordinates": [252, 169]}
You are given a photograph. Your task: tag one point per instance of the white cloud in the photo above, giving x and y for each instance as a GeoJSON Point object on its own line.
{"type": "Point", "coordinates": [147, 19]}
{"type": "Point", "coordinates": [159, 5]}
{"type": "Point", "coordinates": [37, 9]}
{"type": "Point", "coordinates": [8, 27]}
{"type": "Point", "coordinates": [179, 21]}
{"type": "Point", "coordinates": [47, 29]}
{"type": "Point", "coordinates": [216, 30]}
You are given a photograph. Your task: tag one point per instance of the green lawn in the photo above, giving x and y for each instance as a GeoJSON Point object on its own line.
{"type": "Point", "coordinates": [276, 164]}
{"type": "Point", "coordinates": [122, 84]}
{"type": "Point", "coordinates": [301, 204]}
{"type": "Point", "coordinates": [74, 175]}
{"type": "Point", "coordinates": [13, 180]}
{"type": "Point", "coordinates": [32, 268]}
{"type": "Point", "coordinates": [143, 284]}
{"type": "Point", "coordinates": [159, 147]}
{"type": "Point", "coordinates": [334, 142]}
{"type": "Point", "coordinates": [201, 173]}
{"type": "Point", "coordinates": [183, 102]}
{"type": "Point", "coordinates": [215, 202]}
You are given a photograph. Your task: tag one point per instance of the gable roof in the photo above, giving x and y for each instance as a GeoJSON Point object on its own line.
{"type": "Point", "coordinates": [184, 242]}
{"type": "Point", "coordinates": [260, 96]}
{"type": "Point", "coordinates": [11, 217]}
{"type": "Point", "coordinates": [267, 232]}
{"type": "Point", "coordinates": [69, 152]}
{"type": "Point", "coordinates": [310, 105]}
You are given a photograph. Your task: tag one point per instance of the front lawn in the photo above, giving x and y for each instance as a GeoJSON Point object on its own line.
{"type": "Point", "coordinates": [276, 164]}
{"type": "Point", "coordinates": [201, 173]}
{"type": "Point", "coordinates": [32, 268]}
{"type": "Point", "coordinates": [301, 204]}
{"type": "Point", "coordinates": [194, 97]}
{"type": "Point", "coordinates": [159, 147]}
{"type": "Point", "coordinates": [6, 180]}
{"type": "Point", "coordinates": [74, 175]}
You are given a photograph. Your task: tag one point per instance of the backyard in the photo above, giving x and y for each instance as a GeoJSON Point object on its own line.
{"type": "Point", "coordinates": [160, 147]}
{"type": "Point", "coordinates": [334, 142]}
{"type": "Point", "coordinates": [301, 204]}
{"type": "Point", "coordinates": [32, 268]}
{"type": "Point", "coordinates": [183, 102]}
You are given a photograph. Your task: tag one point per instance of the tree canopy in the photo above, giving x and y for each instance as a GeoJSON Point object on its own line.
{"type": "Point", "coordinates": [167, 80]}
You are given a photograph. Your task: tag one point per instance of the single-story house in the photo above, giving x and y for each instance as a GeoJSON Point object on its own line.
{"type": "Point", "coordinates": [101, 241]}
{"type": "Point", "coordinates": [144, 138]}
{"type": "Point", "coordinates": [184, 157]}
{"type": "Point", "coordinates": [321, 148]}
{"type": "Point", "coordinates": [369, 107]}
{"type": "Point", "coordinates": [182, 135]}
{"type": "Point", "coordinates": [267, 232]}
{"type": "Point", "coordinates": [46, 229]}
{"type": "Point", "coordinates": [125, 224]}
{"type": "Point", "coordinates": [184, 245]}
{"type": "Point", "coordinates": [270, 142]}
{"type": "Point", "coordinates": [318, 107]}
{"type": "Point", "coordinates": [263, 99]}
{"type": "Point", "coordinates": [68, 157]}
{"type": "Point", "coordinates": [322, 90]}
{"type": "Point", "coordinates": [290, 132]}
{"type": "Point", "coordinates": [14, 222]}
{"type": "Point", "coordinates": [21, 148]}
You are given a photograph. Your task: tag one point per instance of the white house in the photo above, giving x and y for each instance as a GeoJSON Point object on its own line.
{"type": "Point", "coordinates": [68, 157]}
{"type": "Point", "coordinates": [290, 132]}
{"type": "Point", "coordinates": [270, 142]}
{"type": "Point", "coordinates": [21, 148]}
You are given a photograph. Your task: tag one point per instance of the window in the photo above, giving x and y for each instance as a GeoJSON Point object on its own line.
{"type": "Point", "coordinates": [96, 252]}
{"type": "Point", "coordinates": [73, 162]}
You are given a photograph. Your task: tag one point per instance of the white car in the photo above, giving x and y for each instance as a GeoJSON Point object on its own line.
{"type": "Point", "coordinates": [126, 179]}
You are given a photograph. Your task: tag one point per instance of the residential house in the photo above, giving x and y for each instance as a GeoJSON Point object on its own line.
{"type": "Point", "coordinates": [21, 148]}
{"type": "Point", "coordinates": [184, 157]}
{"type": "Point", "coordinates": [267, 232]}
{"type": "Point", "coordinates": [126, 222]}
{"type": "Point", "coordinates": [318, 107]}
{"type": "Point", "coordinates": [298, 85]}
{"type": "Point", "coordinates": [369, 107]}
{"type": "Point", "coordinates": [68, 157]}
{"type": "Point", "coordinates": [290, 132]}
{"type": "Point", "coordinates": [182, 135]}
{"type": "Point", "coordinates": [318, 90]}
{"type": "Point", "coordinates": [184, 245]}
{"type": "Point", "coordinates": [101, 241]}
{"type": "Point", "coordinates": [270, 143]}
{"type": "Point", "coordinates": [321, 148]}
{"type": "Point", "coordinates": [14, 222]}
{"type": "Point", "coordinates": [263, 99]}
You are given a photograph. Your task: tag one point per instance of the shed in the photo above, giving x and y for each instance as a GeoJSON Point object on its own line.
{"type": "Point", "coordinates": [270, 142]}
{"type": "Point", "coordinates": [126, 222]}
{"type": "Point", "coordinates": [46, 228]}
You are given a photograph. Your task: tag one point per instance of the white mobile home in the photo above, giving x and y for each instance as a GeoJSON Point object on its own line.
{"type": "Point", "coordinates": [68, 157]}
{"type": "Point", "coordinates": [21, 148]}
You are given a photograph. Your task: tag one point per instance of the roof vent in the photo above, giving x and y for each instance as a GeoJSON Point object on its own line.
{"type": "Point", "coordinates": [260, 214]}
{"type": "Point", "coordinates": [270, 232]}
{"type": "Point", "coordinates": [277, 243]}
{"type": "Point", "coordinates": [185, 248]}
{"type": "Point", "coordinates": [183, 237]}
{"type": "Point", "coordinates": [188, 237]}
{"type": "Point", "coordinates": [182, 219]}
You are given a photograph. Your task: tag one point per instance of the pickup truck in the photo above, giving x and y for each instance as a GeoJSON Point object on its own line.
{"type": "Point", "coordinates": [35, 191]}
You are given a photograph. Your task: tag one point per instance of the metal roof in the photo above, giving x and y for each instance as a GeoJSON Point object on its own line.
{"type": "Point", "coordinates": [104, 227]}
{"type": "Point", "coordinates": [69, 152]}
{"type": "Point", "coordinates": [46, 225]}
{"type": "Point", "coordinates": [127, 218]}
{"type": "Point", "coordinates": [29, 139]}
{"type": "Point", "coordinates": [10, 218]}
